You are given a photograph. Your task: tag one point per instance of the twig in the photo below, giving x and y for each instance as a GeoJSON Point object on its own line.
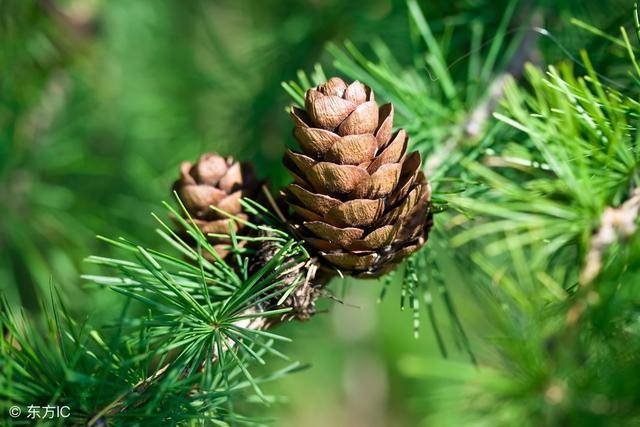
{"type": "Point", "coordinates": [614, 223]}
{"type": "Point", "coordinates": [274, 204]}
{"type": "Point", "coordinates": [478, 117]}
{"type": "Point", "coordinates": [81, 24]}
{"type": "Point", "coordinates": [256, 323]}
{"type": "Point", "coordinates": [140, 387]}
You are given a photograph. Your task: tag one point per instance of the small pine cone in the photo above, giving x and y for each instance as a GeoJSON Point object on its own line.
{"type": "Point", "coordinates": [216, 181]}
{"type": "Point", "coordinates": [362, 201]}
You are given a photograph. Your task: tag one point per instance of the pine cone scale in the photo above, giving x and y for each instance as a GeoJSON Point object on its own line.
{"type": "Point", "coordinates": [333, 234]}
{"type": "Point", "coordinates": [315, 141]}
{"type": "Point", "coordinates": [358, 212]}
{"type": "Point", "coordinates": [363, 120]}
{"type": "Point", "coordinates": [231, 203]}
{"type": "Point", "coordinates": [377, 239]}
{"type": "Point", "coordinates": [352, 149]}
{"type": "Point", "coordinates": [392, 153]}
{"type": "Point", "coordinates": [379, 184]}
{"type": "Point", "coordinates": [385, 118]}
{"type": "Point", "coordinates": [328, 111]}
{"type": "Point", "coordinates": [351, 260]}
{"type": "Point", "coordinates": [320, 203]}
{"type": "Point", "coordinates": [210, 169]}
{"type": "Point", "coordinates": [232, 181]}
{"type": "Point", "coordinates": [332, 179]}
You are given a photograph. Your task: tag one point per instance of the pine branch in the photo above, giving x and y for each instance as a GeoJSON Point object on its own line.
{"type": "Point", "coordinates": [235, 316]}
{"type": "Point", "coordinates": [118, 404]}
{"type": "Point", "coordinates": [615, 223]}
{"type": "Point", "coordinates": [78, 26]}
{"type": "Point", "coordinates": [476, 120]}
{"type": "Point", "coordinates": [566, 327]}
{"type": "Point", "coordinates": [191, 355]}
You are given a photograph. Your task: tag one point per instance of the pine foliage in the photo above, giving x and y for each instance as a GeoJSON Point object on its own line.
{"type": "Point", "coordinates": [189, 358]}
{"type": "Point", "coordinates": [543, 236]}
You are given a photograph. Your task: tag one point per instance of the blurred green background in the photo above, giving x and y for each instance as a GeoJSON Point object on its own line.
{"type": "Point", "coordinates": [101, 100]}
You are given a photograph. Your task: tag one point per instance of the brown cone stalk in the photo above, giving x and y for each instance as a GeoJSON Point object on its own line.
{"type": "Point", "coordinates": [361, 200]}
{"type": "Point", "coordinates": [216, 181]}
{"type": "Point", "coordinates": [302, 300]}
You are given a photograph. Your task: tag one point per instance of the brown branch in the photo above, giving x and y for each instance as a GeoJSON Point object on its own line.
{"type": "Point", "coordinates": [615, 223]}
{"type": "Point", "coordinates": [311, 293]}
{"type": "Point", "coordinates": [79, 22]}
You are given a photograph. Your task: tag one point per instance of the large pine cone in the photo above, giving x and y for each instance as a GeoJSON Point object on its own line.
{"type": "Point", "coordinates": [363, 202]}
{"type": "Point", "coordinates": [216, 181]}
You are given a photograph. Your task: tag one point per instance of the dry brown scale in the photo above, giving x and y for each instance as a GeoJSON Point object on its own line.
{"type": "Point", "coordinates": [310, 284]}
{"type": "Point", "coordinates": [219, 182]}
{"type": "Point", "coordinates": [360, 200]}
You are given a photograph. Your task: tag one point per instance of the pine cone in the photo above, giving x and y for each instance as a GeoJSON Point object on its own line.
{"type": "Point", "coordinates": [216, 181]}
{"type": "Point", "coordinates": [363, 203]}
